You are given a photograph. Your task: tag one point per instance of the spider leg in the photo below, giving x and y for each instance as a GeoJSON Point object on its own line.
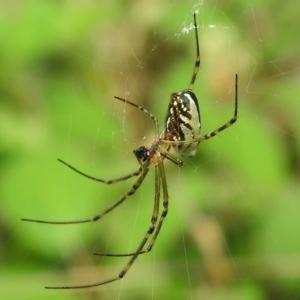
{"type": "Point", "coordinates": [141, 246]}
{"type": "Point", "coordinates": [152, 229]}
{"type": "Point", "coordinates": [166, 154]}
{"type": "Point", "coordinates": [165, 206]}
{"type": "Point", "coordinates": [110, 181]}
{"type": "Point", "coordinates": [136, 185]}
{"type": "Point", "coordinates": [198, 60]}
{"type": "Point", "coordinates": [232, 120]}
{"type": "Point", "coordinates": [160, 180]}
{"type": "Point", "coordinates": [144, 111]}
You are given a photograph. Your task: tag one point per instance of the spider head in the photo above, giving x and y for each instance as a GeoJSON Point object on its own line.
{"type": "Point", "coordinates": [141, 153]}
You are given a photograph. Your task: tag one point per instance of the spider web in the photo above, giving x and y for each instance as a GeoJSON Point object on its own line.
{"type": "Point", "coordinates": [231, 231]}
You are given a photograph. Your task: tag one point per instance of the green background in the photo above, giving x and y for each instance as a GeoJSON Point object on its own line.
{"type": "Point", "coordinates": [232, 231]}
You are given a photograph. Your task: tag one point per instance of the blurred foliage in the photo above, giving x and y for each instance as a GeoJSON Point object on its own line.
{"type": "Point", "coordinates": [232, 227]}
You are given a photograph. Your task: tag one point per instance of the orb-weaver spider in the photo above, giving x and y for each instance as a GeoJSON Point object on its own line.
{"type": "Point", "coordinates": [182, 131]}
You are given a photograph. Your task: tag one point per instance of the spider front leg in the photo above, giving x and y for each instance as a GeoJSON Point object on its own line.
{"type": "Point", "coordinates": [144, 241]}
{"type": "Point", "coordinates": [137, 184]}
{"type": "Point", "coordinates": [144, 171]}
{"type": "Point", "coordinates": [110, 181]}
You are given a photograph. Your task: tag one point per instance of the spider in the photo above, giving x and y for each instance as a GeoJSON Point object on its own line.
{"type": "Point", "coordinates": [182, 132]}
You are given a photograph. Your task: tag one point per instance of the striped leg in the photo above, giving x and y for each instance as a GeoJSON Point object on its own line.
{"type": "Point", "coordinates": [163, 182]}
{"type": "Point", "coordinates": [136, 185]}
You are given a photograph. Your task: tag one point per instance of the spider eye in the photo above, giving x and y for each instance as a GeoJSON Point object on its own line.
{"type": "Point", "coordinates": [183, 121]}
{"type": "Point", "coordinates": [142, 153]}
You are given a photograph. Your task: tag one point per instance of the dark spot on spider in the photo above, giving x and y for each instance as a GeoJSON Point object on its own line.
{"type": "Point", "coordinates": [142, 153]}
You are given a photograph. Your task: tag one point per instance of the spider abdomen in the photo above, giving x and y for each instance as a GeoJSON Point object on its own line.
{"type": "Point", "coordinates": [183, 121]}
